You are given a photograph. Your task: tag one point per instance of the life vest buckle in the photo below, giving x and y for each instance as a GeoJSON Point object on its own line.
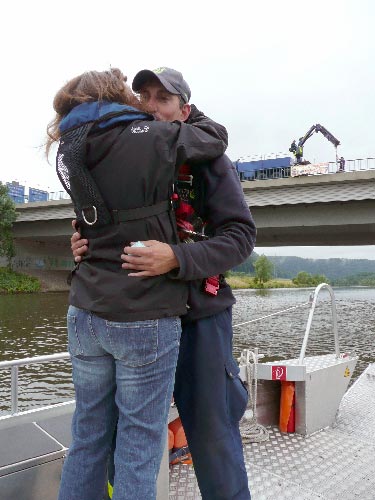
{"type": "Point", "coordinates": [95, 215]}
{"type": "Point", "coordinates": [186, 179]}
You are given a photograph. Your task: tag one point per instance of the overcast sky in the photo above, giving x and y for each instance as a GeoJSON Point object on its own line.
{"type": "Point", "coordinates": [267, 70]}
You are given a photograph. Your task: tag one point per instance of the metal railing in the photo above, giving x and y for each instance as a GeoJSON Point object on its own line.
{"type": "Point", "coordinates": [58, 195]}
{"type": "Point", "coordinates": [312, 304]}
{"type": "Point", "coordinates": [16, 363]}
{"type": "Point", "coordinates": [355, 165]}
{"type": "Point", "coordinates": [51, 196]}
{"type": "Point", "coordinates": [310, 318]}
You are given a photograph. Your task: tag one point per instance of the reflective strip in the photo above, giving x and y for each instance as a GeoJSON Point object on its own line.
{"type": "Point", "coordinates": [110, 490]}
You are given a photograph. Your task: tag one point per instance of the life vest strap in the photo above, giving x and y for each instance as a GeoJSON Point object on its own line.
{"type": "Point", "coordinates": [120, 216]}
{"type": "Point", "coordinates": [211, 285]}
{"type": "Point", "coordinates": [179, 455]}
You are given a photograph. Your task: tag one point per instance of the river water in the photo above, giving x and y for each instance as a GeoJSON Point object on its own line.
{"type": "Point", "coordinates": [33, 325]}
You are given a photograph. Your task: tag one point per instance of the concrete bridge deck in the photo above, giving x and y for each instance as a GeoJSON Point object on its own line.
{"type": "Point", "coordinates": [316, 210]}
{"type": "Point", "coordinates": [336, 209]}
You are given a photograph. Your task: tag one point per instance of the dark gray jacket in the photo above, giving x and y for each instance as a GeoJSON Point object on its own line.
{"type": "Point", "coordinates": [134, 164]}
{"type": "Point", "coordinates": [233, 235]}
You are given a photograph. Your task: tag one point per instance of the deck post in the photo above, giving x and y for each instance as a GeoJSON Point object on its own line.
{"type": "Point", "coordinates": [14, 389]}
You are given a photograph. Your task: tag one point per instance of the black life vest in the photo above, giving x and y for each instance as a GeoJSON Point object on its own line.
{"type": "Point", "coordinates": [187, 197]}
{"type": "Point", "coordinates": [188, 201]}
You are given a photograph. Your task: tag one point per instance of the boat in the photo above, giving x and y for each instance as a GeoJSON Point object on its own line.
{"type": "Point", "coordinates": [327, 453]}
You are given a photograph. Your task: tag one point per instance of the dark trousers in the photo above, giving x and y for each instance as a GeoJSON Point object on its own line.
{"type": "Point", "coordinates": [211, 400]}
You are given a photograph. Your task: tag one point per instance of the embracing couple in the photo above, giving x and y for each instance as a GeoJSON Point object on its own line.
{"type": "Point", "coordinates": [152, 320]}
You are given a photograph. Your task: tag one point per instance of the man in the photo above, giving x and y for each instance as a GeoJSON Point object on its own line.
{"type": "Point", "coordinates": [208, 393]}
{"type": "Point", "coordinates": [293, 147]}
{"type": "Point", "coordinates": [299, 151]}
{"type": "Point", "coordinates": [341, 164]}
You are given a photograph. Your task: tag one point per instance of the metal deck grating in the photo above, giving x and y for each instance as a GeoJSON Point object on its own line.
{"type": "Point", "coordinates": [334, 464]}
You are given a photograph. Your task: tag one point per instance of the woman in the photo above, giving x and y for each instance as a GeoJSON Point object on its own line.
{"type": "Point", "coordinates": [119, 165]}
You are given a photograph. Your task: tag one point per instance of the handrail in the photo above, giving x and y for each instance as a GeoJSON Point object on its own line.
{"type": "Point", "coordinates": [310, 318]}
{"type": "Point", "coordinates": [312, 302]}
{"type": "Point", "coordinates": [16, 363]}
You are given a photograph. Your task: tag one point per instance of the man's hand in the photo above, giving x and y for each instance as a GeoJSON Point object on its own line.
{"type": "Point", "coordinates": [78, 244]}
{"type": "Point", "coordinates": [153, 259]}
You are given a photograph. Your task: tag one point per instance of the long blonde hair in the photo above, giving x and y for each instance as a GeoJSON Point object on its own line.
{"type": "Point", "coordinates": [89, 86]}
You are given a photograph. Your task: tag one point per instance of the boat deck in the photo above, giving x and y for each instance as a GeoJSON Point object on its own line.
{"type": "Point", "coordinates": [335, 463]}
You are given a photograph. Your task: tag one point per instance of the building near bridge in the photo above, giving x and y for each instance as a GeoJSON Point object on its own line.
{"type": "Point", "coordinates": [17, 193]}
{"type": "Point", "coordinates": [37, 195]}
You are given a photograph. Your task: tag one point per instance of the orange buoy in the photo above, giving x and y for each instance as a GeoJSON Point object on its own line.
{"type": "Point", "coordinates": [287, 410]}
{"type": "Point", "coordinates": [292, 416]}
{"type": "Point", "coordinates": [170, 439]}
{"type": "Point", "coordinates": [179, 434]}
{"type": "Point", "coordinates": [180, 450]}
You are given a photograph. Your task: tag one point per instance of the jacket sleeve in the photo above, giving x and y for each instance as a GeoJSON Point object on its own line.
{"type": "Point", "coordinates": [229, 221]}
{"type": "Point", "coordinates": [198, 119]}
{"type": "Point", "coordinates": [195, 145]}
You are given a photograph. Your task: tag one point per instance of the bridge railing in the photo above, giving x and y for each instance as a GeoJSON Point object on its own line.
{"type": "Point", "coordinates": [356, 165]}
{"type": "Point", "coordinates": [58, 195]}
{"type": "Point", "coordinates": [52, 196]}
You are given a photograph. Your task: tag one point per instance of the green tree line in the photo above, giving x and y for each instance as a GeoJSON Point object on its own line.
{"type": "Point", "coordinates": [8, 216]}
{"type": "Point", "coordinates": [360, 279]}
{"type": "Point", "coordinates": [339, 272]}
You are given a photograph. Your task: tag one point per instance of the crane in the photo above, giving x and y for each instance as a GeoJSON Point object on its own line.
{"type": "Point", "coordinates": [297, 149]}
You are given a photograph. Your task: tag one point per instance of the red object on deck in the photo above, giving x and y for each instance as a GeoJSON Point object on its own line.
{"type": "Point", "coordinates": [287, 407]}
{"type": "Point", "coordinates": [292, 416]}
{"type": "Point", "coordinates": [179, 442]}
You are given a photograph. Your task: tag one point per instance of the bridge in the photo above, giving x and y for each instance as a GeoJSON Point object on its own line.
{"type": "Point", "coordinates": [315, 210]}
{"type": "Point", "coordinates": [337, 209]}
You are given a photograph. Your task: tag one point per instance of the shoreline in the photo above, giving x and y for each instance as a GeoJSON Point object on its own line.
{"type": "Point", "coordinates": [56, 281]}
{"type": "Point", "coordinates": [32, 281]}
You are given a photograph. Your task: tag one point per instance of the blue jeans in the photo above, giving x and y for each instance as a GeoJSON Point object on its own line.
{"type": "Point", "coordinates": [121, 371]}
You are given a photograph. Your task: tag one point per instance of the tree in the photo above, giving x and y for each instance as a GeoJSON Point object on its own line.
{"type": "Point", "coordinates": [319, 278]}
{"type": "Point", "coordinates": [302, 278]}
{"type": "Point", "coordinates": [263, 269]}
{"type": "Point", "coordinates": [305, 279]}
{"type": "Point", "coordinates": [8, 216]}
{"type": "Point", "coordinates": [247, 267]}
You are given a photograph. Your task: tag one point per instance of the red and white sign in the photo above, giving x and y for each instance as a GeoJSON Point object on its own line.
{"type": "Point", "coordinates": [278, 372]}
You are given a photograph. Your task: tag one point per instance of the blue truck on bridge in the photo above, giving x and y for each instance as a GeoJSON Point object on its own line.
{"type": "Point", "coordinates": [271, 168]}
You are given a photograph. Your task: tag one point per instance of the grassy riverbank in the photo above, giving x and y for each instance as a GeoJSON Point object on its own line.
{"type": "Point", "coordinates": [238, 281]}
{"type": "Point", "coordinates": [12, 282]}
